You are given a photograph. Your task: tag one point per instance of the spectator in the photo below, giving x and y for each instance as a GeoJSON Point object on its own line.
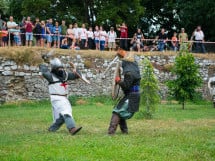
{"type": "Point", "coordinates": [90, 38]}
{"type": "Point", "coordinates": [1, 23]}
{"type": "Point", "coordinates": [64, 43]}
{"type": "Point", "coordinates": [63, 30]}
{"type": "Point", "coordinates": [123, 36]}
{"type": "Point", "coordinates": [199, 37]}
{"type": "Point", "coordinates": [102, 38]}
{"type": "Point", "coordinates": [162, 38]}
{"type": "Point", "coordinates": [83, 37]}
{"type": "Point", "coordinates": [43, 32]}
{"type": "Point", "coordinates": [22, 31]}
{"type": "Point", "coordinates": [71, 37]}
{"type": "Point", "coordinates": [29, 31]}
{"type": "Point", "coordinates": [138, 40]}
{"type": "Point", "coordinates": [174, 42]}
{"type": "Point", "coordinates": [97, 35]}
{"type": "Point", "coordinates": [56, 31]}
{"type": "Point", "coordinates": [76, 31]}
{"type": "Point", "coordinates": [49, 29]}
{"type": "Point", "coordinates": [111, 39]}
{"type": "Point", "coordinates": [17, 38]}
{"type": "Point", "coordinates": [11, 25]}
{"type": "Point", "coordinates": [38, 32]}
{"type": "Point", "coordinates": [183, 38]}
{"type": "Point", "coordinates": [4, 35]}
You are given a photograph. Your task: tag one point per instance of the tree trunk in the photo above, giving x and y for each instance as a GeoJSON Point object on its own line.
{"type": "Point", "coordinates": [183, 104]}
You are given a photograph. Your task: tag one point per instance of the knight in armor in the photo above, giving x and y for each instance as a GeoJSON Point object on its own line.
{"type": "Point", "coordinates": [129, 104]}
{"type": "Point", "coordinates": [58, 90]}
{"type": "Point", "coordinates": [211, 86]}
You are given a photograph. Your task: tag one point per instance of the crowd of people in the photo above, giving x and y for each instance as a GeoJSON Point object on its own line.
{"type": "Point", "coordinates": [58, 35]}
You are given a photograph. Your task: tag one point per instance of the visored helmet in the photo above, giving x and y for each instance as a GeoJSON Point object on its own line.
{"type": "Point", "coordinates": [56, 63]}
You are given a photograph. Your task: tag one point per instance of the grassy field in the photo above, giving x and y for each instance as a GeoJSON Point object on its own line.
{"type": "Point", "coordinates": [172, 135]}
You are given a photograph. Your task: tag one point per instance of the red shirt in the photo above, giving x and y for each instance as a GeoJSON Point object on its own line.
{"type": "Point", "coordinates": [123, 32]}
{"type": "Point", "coordinates": [29, 27]}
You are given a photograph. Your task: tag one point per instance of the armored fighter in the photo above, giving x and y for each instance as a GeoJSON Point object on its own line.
{"type": "Point", "coordinates": [58, 90]}
{"type": "Point", "coordinates": [211, 86]}
{"type": "Point", "coordinates": [129, 104]}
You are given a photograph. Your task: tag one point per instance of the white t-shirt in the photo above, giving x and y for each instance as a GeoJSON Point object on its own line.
{"type": "Point", "coordinates": [96, 35]}
{"type": "Point", "coordinates": [111, 36]}
{"type": "Point", "coordinates": [76, 32]}
{"type": "Point", "coordinates": [10, 24]}
{"type": "Point", "coordinates": [102, 35]}
{"type": "Point", "coordinates": [83, 33]}
{"type": "Point", "coordinates": [199, 35]}
{"type": "Point", "coordinates": [90, 34]}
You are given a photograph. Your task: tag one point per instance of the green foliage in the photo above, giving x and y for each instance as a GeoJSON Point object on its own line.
{"type": "Point", "coordinates": [183, 87]}
{"type": "Point", "coordinates": [149, 87]}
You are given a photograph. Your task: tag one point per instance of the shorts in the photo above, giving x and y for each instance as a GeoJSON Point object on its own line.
{"type": "Point", "coordinates": [29, 36]}
{"type": "Point", "coordinates": [4, 39]}
{"type": "Point", "coordinates": [96, 41]}
{"type": "Point", "coordinates": [56, 37]}
{"type": "Point", "coordinates": [17, 39]}
{"type": "Point", "coordinates": [112, 45]}
{"type": "Point", "coordinates": [49, 38]}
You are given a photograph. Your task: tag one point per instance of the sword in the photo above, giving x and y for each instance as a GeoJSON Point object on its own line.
{"type": "Point", "coordinates": [111, 63]}
{"type": "Point", "coordinates": [82, 77]}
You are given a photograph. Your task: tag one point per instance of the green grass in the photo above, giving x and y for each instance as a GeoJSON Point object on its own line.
{"type": "Point", "coordinates": [172, 135]}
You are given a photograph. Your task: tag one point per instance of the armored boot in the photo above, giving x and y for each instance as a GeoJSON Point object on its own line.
{"type": "Point", "coordinates": [113, 124]}
{"type": "Point", "coordinates": [123, 126]}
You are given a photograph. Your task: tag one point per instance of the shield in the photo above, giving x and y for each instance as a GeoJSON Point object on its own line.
{"type": "Point", "coordinates": [115, 86]}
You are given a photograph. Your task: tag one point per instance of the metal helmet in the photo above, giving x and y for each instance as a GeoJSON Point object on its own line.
{"type": "Point", "coordinates": [56, 63]}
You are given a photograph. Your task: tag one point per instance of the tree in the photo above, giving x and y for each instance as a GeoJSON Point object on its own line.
{"type": "Point", "coordinates": [187, 80]}
{"type": "Point", "coordinates": [149, 86]}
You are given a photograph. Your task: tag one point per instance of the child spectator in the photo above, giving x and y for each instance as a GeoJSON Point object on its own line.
{"type": "Point", "coordinates": [71, 37]}
{"type": "Point", "coordinates": [29, 32]}
{"type": "Point", "coordinates": [76, 31]}
{"type": "Point", "coordinates": [90, 38]}
{"type": "Point", "coordinates": [17, 38]}
{"type": "Point", "coordinates": [4, 35]}
{"type": "Point", "coordinates": [102, 38]}
{"type": "Point", "coordinates": [38, 32]}
{"type": "Point", "coordinates": [111, 39]}
{"type": "Point", "coordinates": [43, 32]}
{"type": "Point", "coordinates": [56, 37]}
{"type": "Point", "coordinates": [83, 37]}
{"type": "Point", "coordinates": [174, 42]}
{"type": "Point", "coordinates": [183, 38]}
{"type": "Point", "coordinates": [96, 36]}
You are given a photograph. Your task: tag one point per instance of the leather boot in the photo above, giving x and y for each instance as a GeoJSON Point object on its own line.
{"type": "Point", "coordinates": [123, 126]}
{"type": "Point", "coordinates": [113, 124]}
{"type": "Point", "coordinates": [74, 130]}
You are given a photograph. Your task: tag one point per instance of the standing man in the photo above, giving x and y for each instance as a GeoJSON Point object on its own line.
{"type": "Point", "coordinates": [211, 86]}
{"type": "Point", "coordinates": [199, 37]}
{"type": "Point", "coordinates": [129, 104]}
{"type": "Point", "coordinates": [58, 90]}
{"type": "Point", "coordinates": [49, 32]}
{"type": "Point", "coordinates": [11, 25]}
{"type": "Point", "coordinates": [162, 38]}
{"type": "Point", "coordinates": [111, 39]}
{"type": "Point", "coordinates": [63, 30]}
{"type": "Point", "coordinates": [123, 36]}
{"type": "Point", "coordinates": [29, 31]}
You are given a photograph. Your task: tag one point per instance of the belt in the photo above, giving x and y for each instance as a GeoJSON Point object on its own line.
{"type": "Point", "coordinates": [135, 88]}
{"type": "Point", "coordinates": [65, 95]}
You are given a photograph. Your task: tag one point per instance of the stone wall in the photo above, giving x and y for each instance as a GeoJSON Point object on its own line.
{"type": "Point", "coordinates": [20, 82]}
